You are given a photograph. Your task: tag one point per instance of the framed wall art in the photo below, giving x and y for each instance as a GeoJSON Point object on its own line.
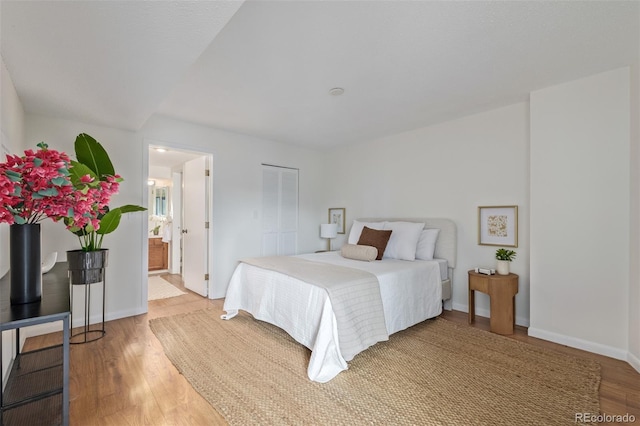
{"type": "Point", "coordinates": [498, 226]}
{"type": "Point", "coordinates": [337, 216]}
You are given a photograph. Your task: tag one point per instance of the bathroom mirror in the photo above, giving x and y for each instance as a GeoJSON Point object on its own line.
{"type": "Point", "coordinates": [160, 201]}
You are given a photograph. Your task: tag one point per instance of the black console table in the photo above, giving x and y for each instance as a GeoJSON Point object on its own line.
{"type": "Point", "coordinates": [37, 390]}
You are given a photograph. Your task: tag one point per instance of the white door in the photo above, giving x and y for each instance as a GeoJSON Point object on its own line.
{"type": "Point", "coordinates": [194, 228]}
{"type": "Point", "coordinates": [175, 262]}
{"type": "Point", "coordinates": [279, 211]}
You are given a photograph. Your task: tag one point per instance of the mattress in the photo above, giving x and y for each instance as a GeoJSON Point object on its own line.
{"type": "Point", "coordinates": [444, 268]}
{"type": "Point", "coordinates": [407, 288]}
{"type": "Point", "coordinates": [411, 292]}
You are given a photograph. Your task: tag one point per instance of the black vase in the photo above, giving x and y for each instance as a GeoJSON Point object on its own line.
{"type": "Point", "coordinates": [25, 264]}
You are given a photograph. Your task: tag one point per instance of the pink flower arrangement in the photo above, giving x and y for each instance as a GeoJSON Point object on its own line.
{"type": "Point", "coordinates": [92, 200]}
{"type": "Point", "coordinates": [7, 200]}
{"type": "Point", "coordinates": [36, 186]}
{"type": "Point", "coordinates": [46, 183]}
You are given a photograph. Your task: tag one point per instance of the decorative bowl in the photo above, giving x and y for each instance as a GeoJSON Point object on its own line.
{"type": "Point", "coordinates": [49, 261]}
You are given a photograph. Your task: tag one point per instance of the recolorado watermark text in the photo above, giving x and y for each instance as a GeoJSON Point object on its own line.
{"type": "Point", "coordinates": [604, 418]}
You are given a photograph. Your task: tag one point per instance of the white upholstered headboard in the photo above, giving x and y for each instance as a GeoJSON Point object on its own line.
{"type": "Point", "coordinates": [446, 246]}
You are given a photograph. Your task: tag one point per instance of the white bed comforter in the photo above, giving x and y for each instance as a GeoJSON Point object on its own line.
{"type": "Point", "coordinates": [411, 292]}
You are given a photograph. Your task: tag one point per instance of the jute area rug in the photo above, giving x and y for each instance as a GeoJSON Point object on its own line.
{"type": "Point", "coordinates": [159, 288]}
{"type": "Point", "coordinates": [435, 373]}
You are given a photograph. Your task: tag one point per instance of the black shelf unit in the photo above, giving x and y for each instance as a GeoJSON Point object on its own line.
{"type": "Point", "coordinates": [37, 389]}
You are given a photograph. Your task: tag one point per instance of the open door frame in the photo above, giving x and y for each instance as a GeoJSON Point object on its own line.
{"type": "Point", "coordinates": [144, 268]}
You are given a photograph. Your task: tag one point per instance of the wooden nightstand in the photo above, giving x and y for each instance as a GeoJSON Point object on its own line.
{"type": "Point", "coordinates": [502, 290]}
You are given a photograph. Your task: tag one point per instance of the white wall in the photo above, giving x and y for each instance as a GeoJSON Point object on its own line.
{"type": "Point", "coordinates": [634, 290]}
{"type": "Point", "coordinates": [237, 189]}
{"type": "Point", "coordinates": [580, 213]}
{"type": "Point", "coordinates": [126, 243]}
{"type": "Point", "coordinates": [12, 130]}
{"type": "Point", "coordinates": [237, 197]}
{"type": "Point", "coordinates": [445, 170]}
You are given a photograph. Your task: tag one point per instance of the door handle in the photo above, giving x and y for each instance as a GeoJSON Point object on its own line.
{"type": "Point", "coordinates": [184, 231]}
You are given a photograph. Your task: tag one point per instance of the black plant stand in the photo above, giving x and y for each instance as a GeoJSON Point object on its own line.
{"type": "Point", "coordinates": [88, 334]}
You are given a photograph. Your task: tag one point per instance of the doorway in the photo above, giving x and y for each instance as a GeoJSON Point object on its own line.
{"type": "Point", "coordinates": [178, 249]}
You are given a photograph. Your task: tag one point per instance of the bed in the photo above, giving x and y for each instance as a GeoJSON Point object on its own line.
{"type": "Point", "coordinates": [377, 299]}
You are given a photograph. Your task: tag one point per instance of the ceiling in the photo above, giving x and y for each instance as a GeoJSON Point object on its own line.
{"type": "Point", "coordinates": [170, 158]}
{"type": "Point", "coordinates": [265, 68]}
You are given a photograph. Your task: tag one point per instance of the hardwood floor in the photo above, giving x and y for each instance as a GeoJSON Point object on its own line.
{"type": "Point", "coordinates": [620, 384]}
{"type": "Point", "coordinates": [125, 378]}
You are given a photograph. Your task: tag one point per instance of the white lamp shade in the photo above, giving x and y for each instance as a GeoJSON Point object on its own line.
{"type": "Point", "coordinates": [328, 230]}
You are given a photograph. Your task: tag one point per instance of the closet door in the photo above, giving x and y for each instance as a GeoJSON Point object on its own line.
{"type": "Point", "coordinates": [279, 211]}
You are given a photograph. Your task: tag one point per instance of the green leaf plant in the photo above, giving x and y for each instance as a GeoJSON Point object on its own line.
{"type": "Point", "coordinates": [93, 174]}
{"type": "Point", "coordinates": [504, 254]}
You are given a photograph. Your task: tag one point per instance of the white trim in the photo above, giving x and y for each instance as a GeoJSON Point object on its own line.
{"type": "Point", "coordinates": [209, 216]}
{"type": "Point", "coordinates": [481, 312]}
{"type": "Point", "coordinates": [201, 151]}
{"type": "Point", "coordinates": [585, 345]}
{"type": "Point", "coordinates": [634, 361]}
{"type": "Point", "coordinates": [5, 380]}
{"type": "Point", "coordinates": [39, 330]}
{"type": "Point", "coordinates": [144, 268]}
{"type": "Point", "coordinates": [53, 327]}
{"type": "Point", "coordinates": [460, 307]}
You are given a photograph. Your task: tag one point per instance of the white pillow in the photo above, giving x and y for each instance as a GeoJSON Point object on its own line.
{"type": "Point", "coordinates": [356, 252]}
{"type": "Point", "coordinates": [356, 229]}
{"type": "Point", "coordinates": [404, 240]}
{"type": "Point", "coordinates": [427, 244]}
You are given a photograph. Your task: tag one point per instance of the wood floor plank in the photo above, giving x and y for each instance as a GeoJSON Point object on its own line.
{"type": "Point", "coordinates": [619, 385]}
{"type": "Point", "coordinates": [125, 378]}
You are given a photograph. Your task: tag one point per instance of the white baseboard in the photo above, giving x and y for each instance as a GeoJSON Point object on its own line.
{"type": "Point", "coordinates": [139, 310]}
{"type": "Point", "coordinates": [481, 312]}
{"type": "Point", "coordinates": [585, 345]}
{"type": "Point", "coordinates": [38, 330]}
{"type": "Point", "coordinates": [78, 321]}
{"type": "Point", "coordinates": [634, 361]}
{"type": "Point", "coordinates": [459, 307]}
{"type": "Point", "coordinates": [5, 378]}
{"type": "Point", "coordinates": [447, 305]}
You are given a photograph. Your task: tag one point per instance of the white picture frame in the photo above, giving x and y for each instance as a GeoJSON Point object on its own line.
{"type": "Point", "coordinates": [337, 216]}
{"type": "Point", "coordinates": [498, 226]}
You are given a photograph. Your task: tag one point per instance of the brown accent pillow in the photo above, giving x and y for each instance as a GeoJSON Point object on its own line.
{"type": "Point", "coordinates": [375, 238]}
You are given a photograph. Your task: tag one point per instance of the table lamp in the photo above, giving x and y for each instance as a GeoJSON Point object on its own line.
{"type": "Point", "coordinates": [329, 231]}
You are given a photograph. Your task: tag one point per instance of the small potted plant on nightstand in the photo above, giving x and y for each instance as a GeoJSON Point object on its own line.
{"type": "Point", "coordinates": [504, 256]}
